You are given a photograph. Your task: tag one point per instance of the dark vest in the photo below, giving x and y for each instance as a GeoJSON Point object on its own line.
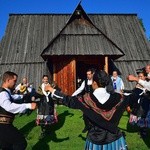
{"type": "Point", "coordinates": [88, 88]}
{"type": "Point", "coordinates": [147, 95]}
{"type": "Point", "coordinates": [2, 110]}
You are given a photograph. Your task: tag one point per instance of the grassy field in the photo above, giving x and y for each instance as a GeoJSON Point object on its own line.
{"type": "Point", "coordinates": [67, 133]}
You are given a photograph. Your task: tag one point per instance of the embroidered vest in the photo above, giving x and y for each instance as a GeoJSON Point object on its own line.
{"type": "Point", "coordinates": [3, 112]}
{"type": "Point", "coordinates": [88, 88]}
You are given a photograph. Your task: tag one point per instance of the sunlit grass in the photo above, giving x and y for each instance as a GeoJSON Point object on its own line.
{"type": "Point", "coordinates": [67, 133]}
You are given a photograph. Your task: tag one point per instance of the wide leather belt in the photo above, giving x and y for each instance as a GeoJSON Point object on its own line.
{"type": "Point", "coordinates": [6, 119]}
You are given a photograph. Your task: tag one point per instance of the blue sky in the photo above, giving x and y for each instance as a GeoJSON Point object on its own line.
{"type": "Point", "coordinates": [139, 7]}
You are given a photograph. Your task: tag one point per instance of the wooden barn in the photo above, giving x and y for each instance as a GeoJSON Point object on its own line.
{"type": "Point", "coordinates": [64, 46]}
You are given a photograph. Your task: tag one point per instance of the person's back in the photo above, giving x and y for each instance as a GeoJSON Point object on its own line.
{"type": "Point", "coordinates": [103, 110]}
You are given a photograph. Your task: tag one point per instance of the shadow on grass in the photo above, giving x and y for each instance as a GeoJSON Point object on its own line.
{"type": "Point", "coordinates": [133, 128]}
{"type": "Point", "coordinates": [51, 135]}
{"type": "Point", "coordinates": [146, 139]}
{"type": "Point", "coordinates": [130, 128]}
{"type": "Point", "coordinates": [82, 137]}
{"type": "Point", "coordinates": [27, 128]}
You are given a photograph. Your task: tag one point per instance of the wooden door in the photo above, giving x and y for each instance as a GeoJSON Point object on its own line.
{"type": "Point", "coordinates": [65, 75]}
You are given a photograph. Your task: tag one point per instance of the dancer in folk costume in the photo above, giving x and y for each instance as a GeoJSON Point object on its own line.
{"type": "Point", "coordinates": [86, 87]}
{"type": "Point", "coordinates": [46, 112]}
{"type": "Point", "coordinates": [141, 112]}
{"type": "Point", "coordinates": [10, 136]}
{"type": "Point", "coordinates": [104, 111]}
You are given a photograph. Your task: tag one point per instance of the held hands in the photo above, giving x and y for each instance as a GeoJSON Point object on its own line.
{"type": "Point", "coordinates": [33, 106]}
{"type": "Point", "coordinates": [48, 88]}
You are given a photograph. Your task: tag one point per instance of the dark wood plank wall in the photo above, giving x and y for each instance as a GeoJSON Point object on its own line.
{"type": "Point", "coordinates": [28, 34]}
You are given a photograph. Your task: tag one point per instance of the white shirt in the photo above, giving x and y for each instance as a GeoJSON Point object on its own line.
{"type": "Point", "coordinates": [17, 96]}
{"type": "Point", "coordinates": [101, 94]}
{"type": "Point", "coordinates": [81, 88]}
{"type": "Point", "coordinates": [44, 92]}
{"type": "Point", "coordinates": [11, 107]}
{"type": "Point", "coordinates": [145, 84]}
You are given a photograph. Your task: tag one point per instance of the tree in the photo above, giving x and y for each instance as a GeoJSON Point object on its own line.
{"type": "Point", "coordinates": [141, 22]}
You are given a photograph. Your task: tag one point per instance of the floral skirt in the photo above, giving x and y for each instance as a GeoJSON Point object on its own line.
{"type": "Point", "coordinates": [119, 144]}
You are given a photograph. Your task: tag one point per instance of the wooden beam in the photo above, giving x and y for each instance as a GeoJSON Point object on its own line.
{"type": "Point", "coordinates": [54, 72]}
{"type": "Point", "coordinates": [106, 64]}
{"type": "Point", "coordinates": [75, 73]}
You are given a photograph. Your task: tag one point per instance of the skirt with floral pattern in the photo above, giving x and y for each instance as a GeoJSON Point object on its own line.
{"type": "Point", "coordinates": [119, 144]}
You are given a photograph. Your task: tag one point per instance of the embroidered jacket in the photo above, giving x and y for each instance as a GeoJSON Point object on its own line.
{"type": "Point", "coordinates": [103, 118]}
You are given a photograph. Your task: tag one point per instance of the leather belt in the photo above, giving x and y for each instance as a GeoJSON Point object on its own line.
{"type": "Point", "coordinates": [6, 119]}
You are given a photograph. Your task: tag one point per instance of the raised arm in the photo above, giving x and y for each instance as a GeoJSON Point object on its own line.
{"type": "Point", "coordinates": [145, 84]}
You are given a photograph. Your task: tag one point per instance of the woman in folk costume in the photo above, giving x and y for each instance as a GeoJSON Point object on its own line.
{"type": "Point", "coordinates": [46, 113]}
{"type": "Point", "coordinates": [118, 84]}
{"type": "Point", "coordinates": [143, 113]}
{"type": "Point", "coordinates": [103, 110]}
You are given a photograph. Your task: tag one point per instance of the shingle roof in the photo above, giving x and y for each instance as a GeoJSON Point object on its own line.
{"type": "Point", "coordinates": [127, 32]}
{"type": "Point", "coordinates": [27, 35]}
{"type": "Point", "coordinates": [82, 45]}
{"type": "Point", "coordinates": [81, 37]}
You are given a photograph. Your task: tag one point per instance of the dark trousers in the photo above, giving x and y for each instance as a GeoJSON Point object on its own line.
{"type": "Point", "coordinates": [11, 138]}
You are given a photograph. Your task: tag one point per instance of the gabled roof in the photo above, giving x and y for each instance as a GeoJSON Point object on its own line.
{"type": "Point", "coordinates": [126, 31]}
{"type": "Point", "coordinates": [81, 37]}
{"type": "Point", "coordinates": [27, 35]}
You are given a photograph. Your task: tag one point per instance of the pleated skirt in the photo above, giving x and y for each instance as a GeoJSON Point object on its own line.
{"type": "Point", "coordinates": [119, 144]}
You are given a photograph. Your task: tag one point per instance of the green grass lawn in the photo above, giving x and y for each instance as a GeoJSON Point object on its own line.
{"type": "Point", "coordinates": [67, 133]}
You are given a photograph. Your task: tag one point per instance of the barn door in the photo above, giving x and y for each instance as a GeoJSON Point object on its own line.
{"type": "Point", "coordinates": [65, 75]}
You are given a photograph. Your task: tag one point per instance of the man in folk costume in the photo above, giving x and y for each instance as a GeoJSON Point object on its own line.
{"type": "Point", "coordinates": [104, 111]}
{"type": "Point", "coordinates": [86, 87]}
{"type": "Point", "coordinates": [10, 137]}
{"type": "Point", "coordinates": [46, 113]}
{"type": "Point", "coordinates": [25, 89]}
